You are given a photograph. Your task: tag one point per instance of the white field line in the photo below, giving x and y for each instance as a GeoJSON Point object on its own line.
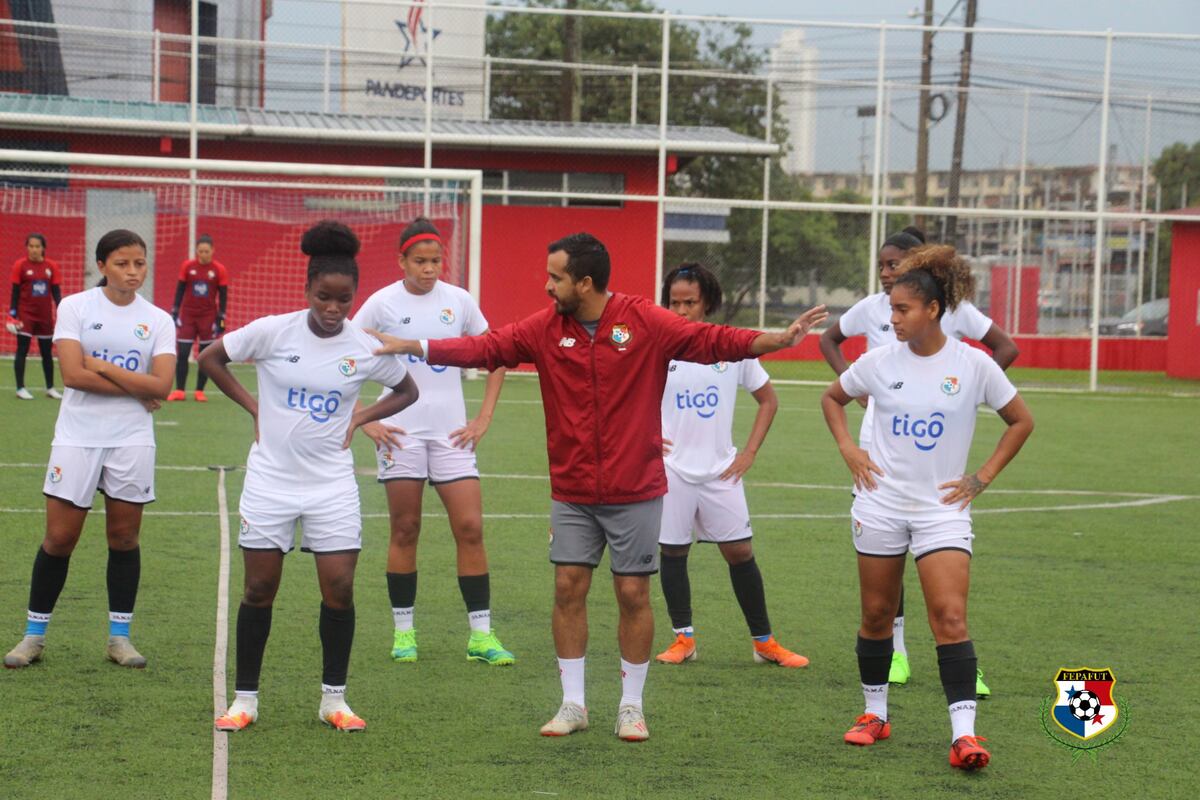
{"type": "Point", "coordinates": [220, 763]}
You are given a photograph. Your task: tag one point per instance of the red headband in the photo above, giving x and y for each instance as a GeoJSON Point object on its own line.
{"type": "Point", "coordinates": [420, 237]}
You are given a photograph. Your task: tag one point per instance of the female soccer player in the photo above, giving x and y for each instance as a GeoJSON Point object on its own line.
{"type": "Point", "coordinates": [432, 440]}
{"type": "Point", "coordinates": [871, 317]}
{"type": "Point", "coordinates": [913, 492]}
{"type": "Point", "coordinates": [35, 294]}
{"type": "Point", "coordinates": [201, 297]}
{"type": "Point", "coordinates": [311, 366]}
{"type": "Point", "coordinates": [116, 353]}
{"type": "Point", "coordinates": [705, 493]}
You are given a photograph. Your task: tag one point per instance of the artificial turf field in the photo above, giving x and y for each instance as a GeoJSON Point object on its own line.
{"type": "Point", "coordinates": [1085, 556]}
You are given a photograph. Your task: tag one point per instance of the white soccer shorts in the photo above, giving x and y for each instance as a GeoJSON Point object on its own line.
{"type": "Point", "coordinates": [75, 474]}
{"type": "Point", "coordinates": [329, 516]}
{"type": "Point", "coordinates": [882, 535]}
{"type": "Point", "coordinates": [715, 511]}
{"type": "Point", "coordinates": [435, 460]}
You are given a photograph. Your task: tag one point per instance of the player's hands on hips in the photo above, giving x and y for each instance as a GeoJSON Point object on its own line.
{"type": "Point", "coordinates": [395, 346]}
{"type": "Point", "coordinates": [385, 437]}
{"type": "Point", "coordinates": [964, 490]}
{"type": "Point", "coordinates": [742, 463]}
{"type": "Point", "coordinates": [861, 466]}
{"type": "Point", "coordinates": [667, 445]}
{"type": "Point", "coordinates": [803, 324]}
{"type": "Point", "coordinates": [468, 436]}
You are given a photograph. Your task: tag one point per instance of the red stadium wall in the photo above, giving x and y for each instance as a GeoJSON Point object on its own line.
{"type": "Point", "coordinates": [1183, 325]}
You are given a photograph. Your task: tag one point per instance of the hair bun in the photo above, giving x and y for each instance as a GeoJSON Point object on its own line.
{"type": "Point", "coordinates": [916, 233]}
{"type": "Point", "coordinates": [329, 238]}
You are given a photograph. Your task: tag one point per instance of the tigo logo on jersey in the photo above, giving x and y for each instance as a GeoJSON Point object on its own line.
{"type": "Point", "coordinates": [141, 331]}
{"type": "Point", "coordinates": [131, 361]}
{"type": "Point", "coordinates": [320, 407]}
{"type": "Point", "coordinates": [447, 316]}
{"type": "Point", "coordinates": [40, 288]}
{"type": "Point", "coordinates": [55, 475]}
{"type": "Point", "coordinates": [925, 432]}
{"type": "Point", "coordinates": [621, 336]}
{"type": "Point", "coordinates": [200, 289]}
{"type": "Point", "coordinates": [950, 385]}
{"type": "Point", "coordinates": [432, 367]}
{"type": "Point", "coordinates": [721, 366]}
{"type": "Point", "coordinates": [704, 401]}
{"type": "Point", "coordinates": [347, 366]}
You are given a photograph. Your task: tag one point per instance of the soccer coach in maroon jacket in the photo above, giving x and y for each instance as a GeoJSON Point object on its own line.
{"type": "Point", "coordinates": [602, 364]}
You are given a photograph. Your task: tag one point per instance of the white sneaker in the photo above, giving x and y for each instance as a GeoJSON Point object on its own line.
{"type": "Point", "coordinates": [631, 724]}
{"type": "Point", "coordinates": [27, 651]}
{"type": "Point", "coordinates": [121, 651]}
{"type": "Point", "coordinates": [24, 394]}
{"type": "Point", "coordinates": [53, 394]}
{"type": "Point", "coordinates": [571, 717]}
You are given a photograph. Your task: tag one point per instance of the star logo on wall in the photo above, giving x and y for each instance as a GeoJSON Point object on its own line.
{"type": "Point", "coordinates": [413, 33]}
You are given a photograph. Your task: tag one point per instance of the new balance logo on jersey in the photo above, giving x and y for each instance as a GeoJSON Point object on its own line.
{"type": "Point", "coordinates": [293, 359]}
{"type": "Point", "coordinates": [319, 406]}
{"type": "Point", "coordinates": [704, 401]}
{"type": "Point", "coordinates": [97, 326]}
{"type": "Point", "coordinates": [566, 341]}
{"type": "Point", "coordinates": [672, 368]}
{"type": "Point", "coordinates": [130, 361]}
{"type": "Point", "coordinates": [406, 320]}
{"type": "Point", "coordinates": [897, 385]}
{"type": "Point", "coordinates": [925, 433]}
{"type": "Point", "coordinates": [885, 327]}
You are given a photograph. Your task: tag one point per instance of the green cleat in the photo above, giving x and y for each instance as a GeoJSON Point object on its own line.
{"type": "Point", "coordinates": [981, 689]}
{"type": "Point", "coordinates": [404, 646]}
{"type": "Point", "coordinates": [899, 673]}
{"type": "Point", "coordinates": [486, 647]}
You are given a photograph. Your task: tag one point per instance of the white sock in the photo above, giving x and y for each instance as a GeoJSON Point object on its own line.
{"type": "Point", "coordinates": [332, 697]}
{"type": "Point", "coordinates": [898, 636]}
{"type": "Point", "coordinates": [875, 698]}
{"type": "Point", "coordinates": [633, 679]}
{"type": "Point", "coordinates": [480, 620]}
{"type": "Point", "coordinates": [962, 719]}
{"type": "Point", "coordinates": [245, 701]}
{"type": "Point", "coordinates": [688, 631]}
{"type": "Point", "coordinates": [570, 672]}
{"type": "Point", "coordinates": [403, 617]}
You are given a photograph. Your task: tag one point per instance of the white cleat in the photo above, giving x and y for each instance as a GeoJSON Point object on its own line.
{"type": "Point", "coordinates": [121, 651]}
{"type": "Point", "coordinates": [24, 394]}
{"type": "Point", "coordinates": [571, 717]}
{"type": "Point", "coordinates": [631, 724]}
{"type": "Point", "coordinates": [27, 651]}
{"type": "Point", "coordinates": [53, 394]}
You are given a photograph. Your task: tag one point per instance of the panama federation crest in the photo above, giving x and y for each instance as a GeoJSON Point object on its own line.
{"type": "Point", "coordinates": [1083, 705]}
{"type": "Point", "coordinates": [141, 331]}
{"type": "Point", "coordinates": [447, 316]}
{"type": "Point", "coordinates": [621, 336]}
{"type": "Point", "coordinates": [950, 385]}
{"type": "Point", "coordinates": [347, 366]}
{"type": "Point", "coordinates": [721, 367]}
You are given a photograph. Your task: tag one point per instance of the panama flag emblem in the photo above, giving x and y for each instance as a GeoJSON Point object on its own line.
{"type": "Point", "coordinates": [950, 385]}
{"type": "Point", "coordinates": [620, 335]}
{"type": "Point", "coordinates": [1085, 705]}
{"type": "Point", "coordinates": [347, 366]}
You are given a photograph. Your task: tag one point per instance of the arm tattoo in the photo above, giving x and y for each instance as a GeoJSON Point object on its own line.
{"type": "Point", "coordinates": [974, 485]}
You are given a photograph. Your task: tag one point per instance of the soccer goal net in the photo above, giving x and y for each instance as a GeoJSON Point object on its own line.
{"type": "Point", "coordinates": [254, 212]}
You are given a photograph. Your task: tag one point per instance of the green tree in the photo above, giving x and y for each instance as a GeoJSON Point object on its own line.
{"type": "Point", "coordinates": [1177, 172]}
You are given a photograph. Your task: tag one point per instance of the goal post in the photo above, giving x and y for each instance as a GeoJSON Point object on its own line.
{"type": "Point", "coordinates": [255, 212]}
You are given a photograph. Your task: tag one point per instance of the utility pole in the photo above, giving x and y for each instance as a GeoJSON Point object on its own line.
{"type": "Point", "coordinates": [922, 177]}
{"type": "Point", "coordinates": [960, 123]}
{"type": "Point", "coordinates": [571, 89]}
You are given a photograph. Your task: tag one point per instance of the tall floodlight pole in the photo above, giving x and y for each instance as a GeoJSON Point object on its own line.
{"type": "Point", "coordinates": [960, 123]}
{"type": "Point", "coordinates": [922, 177]}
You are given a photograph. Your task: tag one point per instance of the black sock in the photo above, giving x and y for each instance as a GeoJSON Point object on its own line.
{"type": "Point", "coordinates": [183, 350]}
{"type": "Point", "coordinates": [677, 589]}
{"type": "Point", "coordinates": [874, 660]}
{"type": "Point", "coordinates": [201, 375]}
{"type": "Point", "coordinates": [124, 573]}
{"type": "Point", "coordinates": [476, 592]}
{"type": "Point", "coordinates": [957, 664]}
{"type": "Point", "coordinates": [900, 610]}
{"type": "Point", "coordinates": [402, 589]}
{"type": "Point", "coordinates": [253, 628]}
{"type": "Point", "coordinates": [337, 636]}
{"type": "Point", "coordinates": [748, 588]}
{"type": "Point", "coordinates": [44, 346]}
{"type": "Point", "coordinates": [19, 360]}
{"type": "Point", "coordinates": [49, 576]}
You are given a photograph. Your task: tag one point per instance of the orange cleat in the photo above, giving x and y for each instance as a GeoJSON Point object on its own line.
{"type": "Point", "coordinates": [681, 650]}
{"type": "Point", "coordinates": [199, 396]}
{"type": "Point", "coordinates": [346, 721]}
{"type": "Point", "coordinates": [867, 730]}
{"type": "Point", "coordinates": [966, 753]}
{"type": "Point", "coordinates": [235, 721]}
{"type": "Point", "coordinates": [773, 652]}
{"type": "Point", "coordinates": [176, 396]}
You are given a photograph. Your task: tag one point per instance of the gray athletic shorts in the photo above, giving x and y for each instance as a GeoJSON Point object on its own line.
{"type": "Point", "coordinates": [579, 532]}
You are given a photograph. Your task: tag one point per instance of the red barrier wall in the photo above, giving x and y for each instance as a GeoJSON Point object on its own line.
{"type": "Point", "coordinates": [1183, 325]}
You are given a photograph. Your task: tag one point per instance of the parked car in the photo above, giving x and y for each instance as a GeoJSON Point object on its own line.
{"type": "Point", "coordinates": [1153, 321]}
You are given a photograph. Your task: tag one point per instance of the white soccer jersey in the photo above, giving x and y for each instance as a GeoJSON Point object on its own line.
{"type": "Point", "coordinates": [127, 336]}
{"type": "Point", "coordinates": [872, 317]}
{"type": "Point", "coordinates": [307, 386]}
{"type": "Point", "coordinates": [442, 313]}
{"type": "Point", "coordinates": [697, 414]}
{"type": "Point", "coordinates": [925, 410]}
